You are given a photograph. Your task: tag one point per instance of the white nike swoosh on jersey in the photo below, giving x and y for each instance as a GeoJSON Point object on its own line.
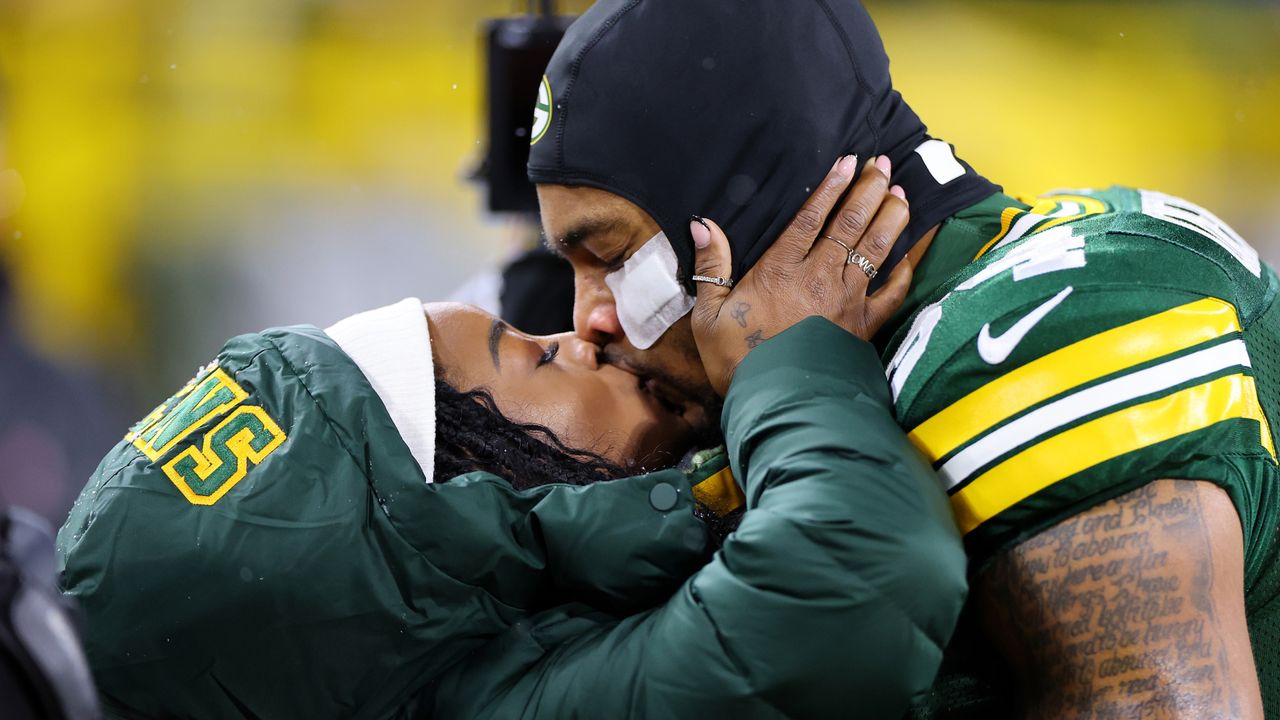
{"type": "Point", "coordinates": [995, 350]}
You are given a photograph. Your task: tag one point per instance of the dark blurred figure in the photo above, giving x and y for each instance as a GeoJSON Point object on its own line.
{"type": "Point", "coordinates": [537, 292]}
{"type": "Point", "coordinates": [53, 425]}
{"type": "Point", "coordinates": [43, 673]}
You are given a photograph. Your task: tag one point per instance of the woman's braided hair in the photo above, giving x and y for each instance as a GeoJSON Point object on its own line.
{"type": "Point", "coordinates": [472, 434]}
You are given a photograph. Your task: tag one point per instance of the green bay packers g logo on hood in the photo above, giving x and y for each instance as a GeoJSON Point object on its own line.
{"type": "Point", "coordinates": [541, 112]}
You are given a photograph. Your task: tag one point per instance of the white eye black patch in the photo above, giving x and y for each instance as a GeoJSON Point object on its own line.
{"type": "Point", "coordinates": [645, 292]}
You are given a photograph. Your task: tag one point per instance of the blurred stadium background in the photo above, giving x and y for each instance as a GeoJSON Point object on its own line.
{"type": "Point", "coordinates": [176, 172]}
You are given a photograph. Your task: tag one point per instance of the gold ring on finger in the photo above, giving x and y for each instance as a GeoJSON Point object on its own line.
{"type": "Point", "coordinates": [847, 249]}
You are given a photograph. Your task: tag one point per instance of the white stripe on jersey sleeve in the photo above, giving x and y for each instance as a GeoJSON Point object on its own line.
{"type": "Point", "coordinates": [1089, 401]}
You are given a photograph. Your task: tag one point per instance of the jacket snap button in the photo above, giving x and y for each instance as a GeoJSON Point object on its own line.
{"type": "Point", "coordinates": [663, 497]}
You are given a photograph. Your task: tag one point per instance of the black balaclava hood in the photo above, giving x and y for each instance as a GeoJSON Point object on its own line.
{"type": "Point", "coordinates": [734, 110]}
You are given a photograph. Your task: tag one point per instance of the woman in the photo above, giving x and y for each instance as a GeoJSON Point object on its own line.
{"type": "Point", "coordinates": [267, 544]}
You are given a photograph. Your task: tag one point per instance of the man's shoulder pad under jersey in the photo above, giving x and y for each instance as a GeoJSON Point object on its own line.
{"type": "Point", "coordinates": [1102, 340]}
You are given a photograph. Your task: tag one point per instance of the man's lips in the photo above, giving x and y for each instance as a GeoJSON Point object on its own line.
{"type": "Point", "coordinates": [671, 399]}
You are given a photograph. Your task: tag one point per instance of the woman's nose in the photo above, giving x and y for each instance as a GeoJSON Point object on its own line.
{"type": "Point", "coordinates": [581, 352]}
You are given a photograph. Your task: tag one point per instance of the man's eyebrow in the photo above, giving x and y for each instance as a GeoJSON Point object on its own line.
{"type": "Point", "coordinates": [580, 233]}
{"type": "Point", "coordinates": [496, 331]}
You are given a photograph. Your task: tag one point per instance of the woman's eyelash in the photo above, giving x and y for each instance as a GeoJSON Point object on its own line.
{"type": "Point", "coordinates": [549, 354]}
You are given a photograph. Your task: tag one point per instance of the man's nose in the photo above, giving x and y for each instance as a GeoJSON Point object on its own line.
{"type": "Point", "coordinates": [595, 317]}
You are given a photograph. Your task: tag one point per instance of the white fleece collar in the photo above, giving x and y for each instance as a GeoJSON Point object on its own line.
{"type": "Point", "coordinates": [392, 347]}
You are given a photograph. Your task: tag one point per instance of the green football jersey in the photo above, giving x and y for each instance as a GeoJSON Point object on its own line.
{"type": "Point", "coordinates": [1057, 354]}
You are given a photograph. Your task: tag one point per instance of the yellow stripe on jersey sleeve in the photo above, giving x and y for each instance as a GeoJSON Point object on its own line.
{"type": "Point", "coordinates": [1094, 357]}
{"type": "Point", "coordinates": [1108, 437]}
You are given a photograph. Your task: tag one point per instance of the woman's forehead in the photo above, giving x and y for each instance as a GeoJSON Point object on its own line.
{"type": "Point", "coordinates": [452, 322]}
{"type": "Point", "coordinates": [460, 340]}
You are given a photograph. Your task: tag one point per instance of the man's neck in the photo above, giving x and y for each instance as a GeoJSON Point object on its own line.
{"type": "Point", "coordinates": [917, 252]}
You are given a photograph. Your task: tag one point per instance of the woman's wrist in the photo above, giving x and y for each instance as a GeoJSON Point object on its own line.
{"type": "Point", "coordinates": [818, 355]}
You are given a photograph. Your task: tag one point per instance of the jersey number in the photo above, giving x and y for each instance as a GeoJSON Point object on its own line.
{"type": "Point", "coordinates": [1193, 217]}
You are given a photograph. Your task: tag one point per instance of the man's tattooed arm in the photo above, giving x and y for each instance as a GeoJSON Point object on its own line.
{"type": "Point", "coordinates": [1133, 609]}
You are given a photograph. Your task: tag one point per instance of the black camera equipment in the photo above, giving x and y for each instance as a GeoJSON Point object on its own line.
{"type": "Point", "coordinates": [517, 51]}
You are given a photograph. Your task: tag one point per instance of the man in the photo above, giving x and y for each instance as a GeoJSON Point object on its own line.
{"type": "Point", "coordinates": [1092, 374]}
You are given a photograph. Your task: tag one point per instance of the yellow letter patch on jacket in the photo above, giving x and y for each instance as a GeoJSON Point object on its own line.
{"type": "Point", "coordinates": [212, 464]}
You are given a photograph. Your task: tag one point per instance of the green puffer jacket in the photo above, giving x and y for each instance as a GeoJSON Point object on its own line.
{"type": "Point", "coordinates": [264, 545]}
{"type": "Point", "coordinates": [834, 598]}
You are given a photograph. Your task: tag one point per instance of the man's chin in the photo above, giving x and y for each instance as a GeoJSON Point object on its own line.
{"type": "Point", "coordinates": [702, 407]}
{"type": "Point", "coordinates": [695, 389]}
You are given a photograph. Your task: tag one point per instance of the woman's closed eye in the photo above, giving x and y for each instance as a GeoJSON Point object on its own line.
{"type": "Point", "coordinates": [549, 354]}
